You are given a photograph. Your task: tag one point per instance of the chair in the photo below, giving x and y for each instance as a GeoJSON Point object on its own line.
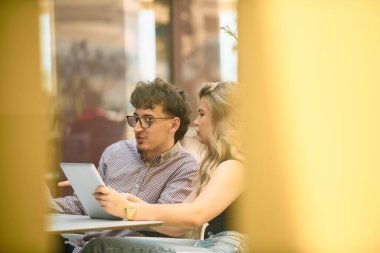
{"type": "Point", "coordinates": [203, 230]}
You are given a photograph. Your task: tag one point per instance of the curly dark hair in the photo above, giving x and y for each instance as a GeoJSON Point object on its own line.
{"type": "Point", "coordinates": [173, 101]}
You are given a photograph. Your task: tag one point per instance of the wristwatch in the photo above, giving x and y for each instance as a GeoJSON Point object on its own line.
{"type": "Point", "coordinates": [130, 211]}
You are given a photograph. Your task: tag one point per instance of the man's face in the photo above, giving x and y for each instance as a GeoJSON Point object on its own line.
{"type": "Point", "coordinates": [159, 137]}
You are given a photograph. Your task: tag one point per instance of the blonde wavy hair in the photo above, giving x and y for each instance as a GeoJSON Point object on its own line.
{"type": "Point", "coordinates": [224, 137]}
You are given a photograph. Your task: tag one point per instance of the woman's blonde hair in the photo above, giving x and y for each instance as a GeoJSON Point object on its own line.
{"type": "Point", "coordinates": [223, 141]}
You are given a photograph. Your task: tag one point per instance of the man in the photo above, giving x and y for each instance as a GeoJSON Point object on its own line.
{"type": "Point", "coordinates": [154, 166]}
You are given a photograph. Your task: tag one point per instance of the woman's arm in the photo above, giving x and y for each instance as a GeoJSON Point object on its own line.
{"type": "Point", "coordinates": [171, 231]}
{"type": "Point", "coordinates": [225, 185]}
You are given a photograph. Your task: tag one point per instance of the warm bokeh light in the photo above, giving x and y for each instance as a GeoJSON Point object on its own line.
{"type": "Point", "coordinates": [312, 88]}
{"type": "Point", "coordinates": [309, 69]}
{"type": "Point", "coordinates": [23, 130]}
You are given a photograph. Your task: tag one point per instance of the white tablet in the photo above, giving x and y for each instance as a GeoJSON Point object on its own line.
{"type": "Point", "coordinates": [84, 178]}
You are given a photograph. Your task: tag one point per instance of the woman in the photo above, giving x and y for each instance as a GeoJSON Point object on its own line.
{"type": "Point", "coordinates": [219, 185]}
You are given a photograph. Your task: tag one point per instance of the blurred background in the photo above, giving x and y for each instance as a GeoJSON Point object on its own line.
{"type": "Point", "coordinates": [310, 75]}
{"type": "Point", "coordinates": [94, 53]}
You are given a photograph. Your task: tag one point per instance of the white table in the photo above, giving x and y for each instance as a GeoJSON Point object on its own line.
{"type": "Point", "coordinates": [64, 223]}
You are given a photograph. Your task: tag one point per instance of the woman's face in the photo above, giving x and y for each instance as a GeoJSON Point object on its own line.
{"type": "Point", "coordinates": [203, 121]}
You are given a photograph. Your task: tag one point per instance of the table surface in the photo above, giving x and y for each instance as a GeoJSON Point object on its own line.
{"type": "Point", "coordinates": [65, 223]}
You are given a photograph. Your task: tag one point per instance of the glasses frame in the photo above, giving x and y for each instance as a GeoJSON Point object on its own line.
{"type": "Point", "coordinates": [142, 123]}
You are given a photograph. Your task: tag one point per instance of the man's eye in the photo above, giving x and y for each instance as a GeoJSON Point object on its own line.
{"type": "Point", "coordinates": [146, 119]}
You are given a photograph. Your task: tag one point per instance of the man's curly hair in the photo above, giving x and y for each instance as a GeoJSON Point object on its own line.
{"type": "Point", "coordinates": [174, 102]}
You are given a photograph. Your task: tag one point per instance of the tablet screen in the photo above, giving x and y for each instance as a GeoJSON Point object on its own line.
{"type": "Point", "coordinates": [84, 178]}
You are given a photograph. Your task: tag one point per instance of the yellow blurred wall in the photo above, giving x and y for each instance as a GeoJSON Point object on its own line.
{"type": "Point", "coordinates": [312, 82]}
{"type": "Point", "coordinates": [312, 85]}
{"type": "Point", "coordinates": [23, 130]}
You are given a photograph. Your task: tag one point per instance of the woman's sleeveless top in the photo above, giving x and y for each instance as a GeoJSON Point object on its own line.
{"type": "Point", "coordinates": [226, 221]}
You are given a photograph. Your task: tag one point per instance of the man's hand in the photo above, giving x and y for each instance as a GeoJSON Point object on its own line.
{"type": "Point", "coordinates": [64, 183]}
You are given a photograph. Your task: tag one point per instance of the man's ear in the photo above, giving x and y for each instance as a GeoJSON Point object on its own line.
{"type": "Point", "coordinates": [175, 124]}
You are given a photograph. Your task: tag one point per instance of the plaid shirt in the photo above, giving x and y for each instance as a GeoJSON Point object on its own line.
{"type": "Point", "coordinates": [169, 178]}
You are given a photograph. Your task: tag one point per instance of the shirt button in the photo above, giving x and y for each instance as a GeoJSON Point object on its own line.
{"type": "Point", "coordinates": [137, 185]}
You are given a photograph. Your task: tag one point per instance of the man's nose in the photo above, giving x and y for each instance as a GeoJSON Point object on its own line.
{"type": "Point", "coordinates": [138, 127]}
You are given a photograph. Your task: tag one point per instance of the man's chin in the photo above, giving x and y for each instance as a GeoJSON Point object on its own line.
{"type": "Point", "coordinates": [140, 147]}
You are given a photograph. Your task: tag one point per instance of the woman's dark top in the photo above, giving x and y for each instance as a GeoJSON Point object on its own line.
{"type": "Point", "coordinates": [226, 221]}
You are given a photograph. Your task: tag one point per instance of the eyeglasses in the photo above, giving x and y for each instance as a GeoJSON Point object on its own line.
{"type": "Point", "coordinates": [145, 121]}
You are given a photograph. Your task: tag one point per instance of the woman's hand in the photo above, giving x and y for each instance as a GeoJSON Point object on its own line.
{"type": "Point", "coordinates": [112, 201]}
{"type": "Point", "coordinates": [132, 198]}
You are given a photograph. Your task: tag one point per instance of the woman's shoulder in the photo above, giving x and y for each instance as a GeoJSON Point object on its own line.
{"type": "Point", "coordinates": [231, 164]}
{"type": "Point", "coordinates": [231, 173]}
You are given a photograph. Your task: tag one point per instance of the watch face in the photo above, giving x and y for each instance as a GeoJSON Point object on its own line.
{"type": "Point", "coordinates": [131, 211]}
